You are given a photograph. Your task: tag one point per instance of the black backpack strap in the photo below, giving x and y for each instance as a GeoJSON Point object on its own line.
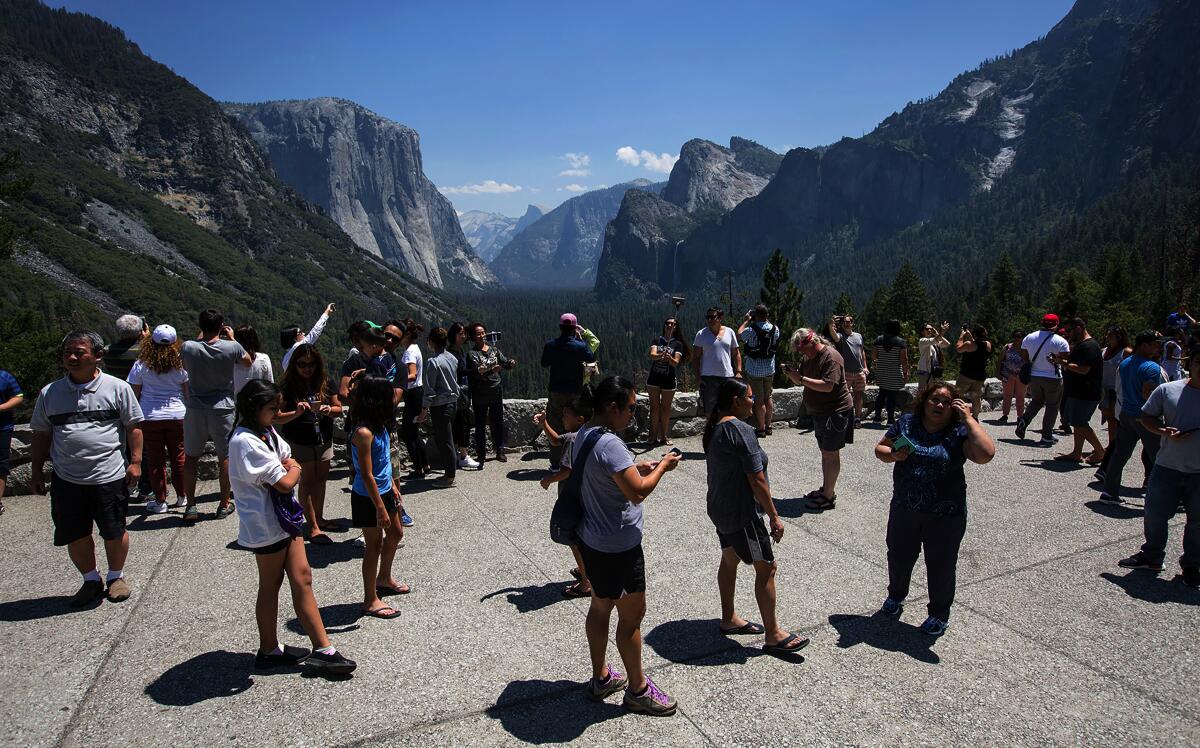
{"type": "Point", "coordinates": [579, 461]}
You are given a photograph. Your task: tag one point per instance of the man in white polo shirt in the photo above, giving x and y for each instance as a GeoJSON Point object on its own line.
{"type": "Point", "coordinates": [78, 422]}
{"type": "Point", "coordinates": [1041, 350]}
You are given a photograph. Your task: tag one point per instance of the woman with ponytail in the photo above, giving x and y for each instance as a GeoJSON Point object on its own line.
{"type": "Point", "coordinates": [264, 478]}
{"type": "Point", "coordinates": [738, 497]}
{"type": "Point", "coordinates": [612, 490]}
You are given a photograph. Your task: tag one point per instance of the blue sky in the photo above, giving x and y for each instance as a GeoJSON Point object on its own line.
{"type": "Point", "coordinates": [509, 96]}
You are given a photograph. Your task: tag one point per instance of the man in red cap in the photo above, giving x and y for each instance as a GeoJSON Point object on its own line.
{"type": "Point", "coordinates": [564, 357]}
{"type": "Point", "coordinates": [1041, 350]}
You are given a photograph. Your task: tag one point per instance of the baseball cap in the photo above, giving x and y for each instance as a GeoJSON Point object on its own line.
{"type": "Point", "coordinates": [164, 335]}
{"type": "Point", "coordinates": [1050, 320]}
{"type": "Point", "coordinates": [373, 335]}
{"type": "Point", "coordinates": [1148, 336]}
{"type": "Point", "coordinates": [568, 319]}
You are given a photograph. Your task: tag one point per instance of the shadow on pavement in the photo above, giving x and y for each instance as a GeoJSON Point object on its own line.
{"type": "Point", "coordinates": [36, 608]}
{"type": "Point", "coordinates": [697, 642]}
{"type": "Point", "coordinates": [338, 618]}
{"type": "Point", "coordinates": [143, 521]}
{"type": "Point", "coordinates": [535, 455]}
{"type": "Point", "coordinates": [1057, 466]}
{"type": "Point", "coordinates": [322, 556]}
{"type": "Point", "coordinates": [534, 723]}
{"type": "Point", "coordinates": [527, 474]}
{"type": "Point", "coordinates": [882, 631]}
{"type": "Point", "coordinates": [531, 598]}
{"type": "Point", "coordinates": [1114, 511]}
{"type": "Point", "coordinates": [212, 675]}
{"type": "Point", "coordinates": [1145, 585]}
{"type": "Point", "coordinates": [793, 508]}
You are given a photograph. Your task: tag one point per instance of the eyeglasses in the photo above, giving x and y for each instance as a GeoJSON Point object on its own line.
{"type": "Point", "coordinates": [669, 324]}
{"type": "Point", "coordinates": [939, 400]}
{"type": "Point", "coordinates": [391, 338]}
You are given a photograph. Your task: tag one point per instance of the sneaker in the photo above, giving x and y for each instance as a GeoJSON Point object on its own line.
{"type": "Point", "coordinates": [466, 463]}
{"type": "Point", "coordinates": [442, 483]}
{"type": "Point", "coordinates": [289, 657]}
{"type": "Point", "coordinates": [1066, 430]}
{"type": "Point", "coordinates": [599, 690]}
{"type": "Point", "coordinates": [191, 514]}
{"type": "Point", "coordinates": [892, 607]}
{"type": "Point", "coordinates": [653, 701]}
{"type": "Point", "coordinates": [1140, 560]}
{"type": "Point", "coordinates": [1002, 419]}
{"type": "Point", "coordinates": [1101, 475]}
{"type": "Point", "coordinates": [1106, 496]}
{"type": "Point", "coordinates": [1191, 576]}
{"type": "Point", "coordinates": [91, 589]}
{"type": "Point", "coordinates": [118, 590]}
{"type": "Point", "coordinates": [501, 457]}
{"type": "Point", "coordinates": [406, 520]}
{"type": "Point", "coordinates": [334, 663]}
{"type": "Point", "coordinates": [154, 506]}
{"type": "Point", "coordinates": [180, 502]}
{"type": "Point", "coordinates": [1047, 441]}
{"type": "Point", "coordinates": [858, 423]}
{"type": "Point", "coordinates": [1020, 428]}
{"type": "Point", "coordinates": [225, 511]}
{"type": "Point", "coordinates": [934, 626]}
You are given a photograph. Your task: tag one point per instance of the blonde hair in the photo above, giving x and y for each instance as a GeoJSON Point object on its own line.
{"type": "Point", "coordinates": [161, 358]}
{"type": "Point", "coordinates": [806, 335]}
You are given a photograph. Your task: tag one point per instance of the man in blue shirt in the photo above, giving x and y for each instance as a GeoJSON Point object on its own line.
{"type": "Point", "coordinates": [1181, 319]}
{"type": "Point", "coordinates": [11, 398]}
{"type": "Point", "coordinates": [565, 357]}
{"type": "Point", "coordinates": [1139, 374]}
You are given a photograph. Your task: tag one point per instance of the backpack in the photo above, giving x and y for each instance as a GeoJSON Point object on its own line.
{"type": "Point", "coordinates": [568, 507]}
{"type": "Point", "coordinates": [766, 344]}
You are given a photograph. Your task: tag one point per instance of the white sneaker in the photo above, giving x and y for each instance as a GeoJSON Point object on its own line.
{"type": "Point", "coordinates": [467, 463]}
{"type": "Point", "coordinates": [360, 540]}
{"type": "Point", "coordinates": [180, 502]}
{"type": "Point", "coordinates": [154, 506]}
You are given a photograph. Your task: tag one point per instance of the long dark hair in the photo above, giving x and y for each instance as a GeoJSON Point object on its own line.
{"type": "Point", "coordinates": [1122, 340]}
{"type": "Point", "coordinates": [247, 337]}
{"type": "Point", "coordinates": [918, 403]}
{"type": "Point", "coordinates": [728, 391]}
{"type": "Point", "coordinates": [371, 404]}
{"type": "Point", "coordinates": [296, 386]}
{"type": "Point", "coordinates": [255, 395]}
{"type": "Point", "coordinates": [452, 334]}
{"type": "Point", "coordinates": [678, 335]}
{"type": "Point", "coordinates": [411, 329]}
{"type": "Point", "coordinates": [614, 390]}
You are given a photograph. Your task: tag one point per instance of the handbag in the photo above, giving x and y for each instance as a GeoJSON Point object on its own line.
{"type": "Point", "coordinates": [288, 511]}
{"type": "Point", "coordinates": [568, 507]}
{"type": "Point", "coordinates": [1026, 372]}
{"type": "Point", "coordinates": [936, 367]}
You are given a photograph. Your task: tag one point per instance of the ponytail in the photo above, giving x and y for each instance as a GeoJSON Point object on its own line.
{"type": "Point", "coordinates": [727, 392]}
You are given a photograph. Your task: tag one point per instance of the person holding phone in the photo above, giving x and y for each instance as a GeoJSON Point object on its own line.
{"type": "Point", "coordinates": [928, 448]}
{"type": "Point", "coordinates": [739, 496]}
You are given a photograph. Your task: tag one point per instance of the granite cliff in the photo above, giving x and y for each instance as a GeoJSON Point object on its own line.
{"type": "Point", "coordinates": [487, 233]}
{"type": "Point", "coordinates": [365, 171]}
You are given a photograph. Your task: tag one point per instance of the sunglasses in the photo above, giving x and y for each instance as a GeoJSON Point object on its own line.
{"type": "Point", "coordinates": [391, 338]}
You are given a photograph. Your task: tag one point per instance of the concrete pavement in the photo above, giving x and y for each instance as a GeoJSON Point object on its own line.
{"type": "Point", "coordinates": [1050, 643]}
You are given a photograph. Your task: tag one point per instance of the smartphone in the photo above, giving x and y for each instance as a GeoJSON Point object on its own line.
{"type": "Point", "coordinates": [1188, 431]}
{"type": "Point", "coordinates": [674, 451]}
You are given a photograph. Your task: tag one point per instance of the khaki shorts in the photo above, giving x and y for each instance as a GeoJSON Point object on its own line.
{"type": "Point", "coordinates": [968, 387]}
{"type": "Point", "coordinates": [856, 382]}
{"type": "Point", "coordinates": [762, 387]}
{"type": "Point", "coordinates": [201, 425]}
{"type": "Point", "coordinates": [312, 453]}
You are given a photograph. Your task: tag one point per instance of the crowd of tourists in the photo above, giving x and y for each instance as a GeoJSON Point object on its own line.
{"type": "Point", "coordinates": [128, 415]}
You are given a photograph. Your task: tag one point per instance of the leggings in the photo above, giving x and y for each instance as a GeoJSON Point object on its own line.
{"type": "Point", "coordinates": [886, 399]}
{"type": "Point", "coordinates": [908, 533]}
{"type": "Point", "coordinates": [489, 415]}
{"type": "Point", "coordinates": [410, 430]}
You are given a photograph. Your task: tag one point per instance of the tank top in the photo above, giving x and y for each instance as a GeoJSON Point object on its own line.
{"type": "Point", "coordinates": [381, 464]}
{"type": "Point", "coordinates": [1011, 365]}
{"type": "Point", "coordinates": [974, 363]}
{"type": "Point", "coordinates": [1109, 376]}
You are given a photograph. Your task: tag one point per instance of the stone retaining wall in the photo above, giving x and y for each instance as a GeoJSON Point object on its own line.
{"type": "Point", "coordinates": [522, 433]}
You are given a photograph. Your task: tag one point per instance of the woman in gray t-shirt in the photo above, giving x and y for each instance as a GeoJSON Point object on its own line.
{"type": "Point", "coordinates": [738, 497]}
{"type": "Point", "coordinates": [612, 490]}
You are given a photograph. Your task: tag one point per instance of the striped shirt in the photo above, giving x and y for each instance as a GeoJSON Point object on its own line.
{"type": "Point", "coordinates": [86, 423]}
{"type": "Point", "coordinates": [889, 375]}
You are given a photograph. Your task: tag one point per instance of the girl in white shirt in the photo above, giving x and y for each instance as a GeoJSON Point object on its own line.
{"type": "Point", "coordinates": [160, 383]}
{"type": "Point", "coordinates": [260, 463]}
{"type": "Point", "coordinates": [260, 368]}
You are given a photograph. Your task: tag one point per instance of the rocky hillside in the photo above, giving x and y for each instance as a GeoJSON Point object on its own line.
{"type": "Point", "coordinates": [563, 246]}
{"type": "Point", "coordinates": [709, 177]}
{"type": "Point", "coordinates": [144, 196]}
{"type": "Point", "coordinates": [1064, 109]}
{"type": "Point", "coordinates": [487, 233]}
{"type": "Point", "coordinates": [365, 172]}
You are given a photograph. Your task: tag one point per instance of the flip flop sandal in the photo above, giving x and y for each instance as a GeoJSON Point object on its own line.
{"type": "Point", "coordinates": [821, 503]}
{"type": "Point", "coordinates": [575, 573]}
{"type": "Point", "coordinates": [749, 628]}
{"type": "Point", "coordinates": [793, 643]}
{"type": "Point", "coordinates": [379, 613]}
{"type": "Point", "coordinates": [573, 591]}
{"type": "Point", "coordinates": [382, 590]}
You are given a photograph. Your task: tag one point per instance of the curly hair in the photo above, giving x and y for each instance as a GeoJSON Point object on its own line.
{"type": "Point", "coordinates": [160, 358]}
{"type": "Point", "coordinates": [918, 403]}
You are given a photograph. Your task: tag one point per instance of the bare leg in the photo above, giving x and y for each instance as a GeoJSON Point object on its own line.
{"type": "Point", "coordinates": [83, 554]}
{"type": "Point", "coordinates": [654, 394]}
{"type": "Point", "coordinates": [596, 626]}
{"type": "Point", "coordinates": [585, 584]}
{"type": "Point", "coordinates": [1019, 393]}
{"type": "Point", "coordinates": [223, 476]}
{"type": "Point", "coordinates": [189, 478]}
{"type": "Point", "coordinates": [831, 467]}
{"type": "Point", "coordinates": [664, 429]}
{"type": "Point", "coordinates": [764, 593]}
{"type": "Point", "coordinates": [630, 611]}
{"type": "Point", "coordinates": [727, 586]}
{"type": "Point", "coordinates": [394, 533]}
{"type": "Point", "coordinates": [320, 478]}
{"type": "Point", "coordinates": [373, 537]}
{"type": "Point", "coordinates": [266, 607]}
{"type": "Point", "coordinates": [116, 551]}
{"type": "Point", "coordinates": [303, 600]}
{"type": "Point", "coordinates": [304, 494]}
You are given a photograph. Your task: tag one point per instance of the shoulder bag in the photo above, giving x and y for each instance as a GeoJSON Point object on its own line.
{"type": "Point", "coordinates": [568, 508]}
{"type": "Point", "coordinates": [288, 510]}
{"type": "Point", "coordinates": [1026, 372]}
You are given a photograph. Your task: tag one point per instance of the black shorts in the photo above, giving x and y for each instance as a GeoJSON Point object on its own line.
{"type": "Point", "coordinates": [275, 547]}
{"type": "Point", "coordinates": [751, 543]}
{"type": "Point", "coordinates": [664, 380]}
{"type": "Point", "coordinates": [362, 509]}
{"type": "Point", "coordinates": [614, 575]}
{"type": "Point", "coordinates": [5, 452]}
{"type": "Point", "coordinates": [835, 431]}
{"type": "Point", "coordinates": [74, 508]}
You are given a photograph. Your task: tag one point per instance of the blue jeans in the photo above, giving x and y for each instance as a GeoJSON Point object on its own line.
{"type": "Point", "coordinates": [1166, 489]}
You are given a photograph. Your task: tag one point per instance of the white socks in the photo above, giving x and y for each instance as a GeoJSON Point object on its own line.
{"type": "Point", "coordinates": [113, 574]}
{"type": "Point", "coordinates": [92, 576]}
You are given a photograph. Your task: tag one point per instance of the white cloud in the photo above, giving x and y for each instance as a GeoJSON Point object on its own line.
{"type": "Point", "coordinates": [574, 172]}
{"type": "Point", "coordinates": [660, 163]}
{"type": "Point", "coordinates": [486, 187]}
{"type": "Point", "coordinates": [579, 163]}
{"type": "Point", "coordinates": [580, 188]}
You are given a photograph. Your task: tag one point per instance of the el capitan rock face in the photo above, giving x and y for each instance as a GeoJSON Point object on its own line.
{"type": "Point", "coordinates": [365, 171]}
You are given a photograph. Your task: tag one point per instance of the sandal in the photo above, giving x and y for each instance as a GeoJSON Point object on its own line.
{"type": "Point", "coordinates": [380, 613]}
{"type": "Point", "coordinates": [576, 590]}
{"type": "Point", "coordinates": [793, 643]}
{"type": "Point", "coordinates": [821, 503]}
{"type": "Point", "coordinates": [575, 573]}
{"type": "Point", "coordinates": [668, 443]}
{"type": "Point", "coordinates": [383, 590]}
{"type": "Point", "coordinates": [749, 628]}
{"type": "Point", "coordinates": [224, 511]}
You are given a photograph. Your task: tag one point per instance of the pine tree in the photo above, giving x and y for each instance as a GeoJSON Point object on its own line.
{"type": "Point", "coordinates": [780, 293]}
{"type": "Point", "coordinates": [908, 299]}
{"type": "Point", "coordinates": [1004, 306]}
{"type": "Point", "coordinates": [10, 189]}
{"type": "Point", "coordinates": [844, 306]}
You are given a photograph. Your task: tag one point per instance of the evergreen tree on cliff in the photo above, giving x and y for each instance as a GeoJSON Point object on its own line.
{"type": "Point", "coordinates": [781, 295]}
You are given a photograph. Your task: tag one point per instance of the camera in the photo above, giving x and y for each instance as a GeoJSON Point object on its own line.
{"type": "Point", "coordinates": [493, 337]}
{"type": "Point", "coordinates": [677, 301]}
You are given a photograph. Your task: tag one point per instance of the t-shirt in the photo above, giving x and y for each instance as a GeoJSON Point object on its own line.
{"type": "Point", "coordinates": [486, 388]}
{"type": "Point", "coordinates": [255, 464]}
{"type": "Point", "coordinates": [1135, 371]}
{"type": "Point", "coordinates": [826, 365]}
{"type": "Point", "coordinates": [210, 366]}
{"type": "Point", "coordinates": [1110, 368]}
{"type": "Point", "coordinates": [412, 355]}
{"type": "Point", "coordinates": [611, 522]}
{"type": "Point", "coordinates": [664, 343]}
{"type": "Point", "coordinates": [259, 369]}
{"type": "Point", "coordinates": [567, 444]}
{"type": "Point", "coordinates": [1041, 366]}
{"type": "Point", "coordinates": [889, 372]}
{"type": "Point", "coordinates": [87, 423]}
{"type": "Point", "coordinates": [717, 354]}
{"type": "Point", "coordinates": [564, 357]}
{"type": "Point", "coordinates": [931, 480]}
{"type": "Point", "coordinates": [1175, 319]}
{"type": "Point", "coordinates": [119, 358]}
{"type": "Point", "coordinates": [1088, 386]}
{"type": "Point", "coordinates": [850, 348]}
{"type": "Point", "coordinates": [732, 454]}
{"type": "Point", "coordinates": [1178, 404]}
{"type": "Point", "coordinates": [162, 394]}
{"type": "Point", "coordinates": [1171, 353]}
{"type": "Point", "coordinates": [9, 388]}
